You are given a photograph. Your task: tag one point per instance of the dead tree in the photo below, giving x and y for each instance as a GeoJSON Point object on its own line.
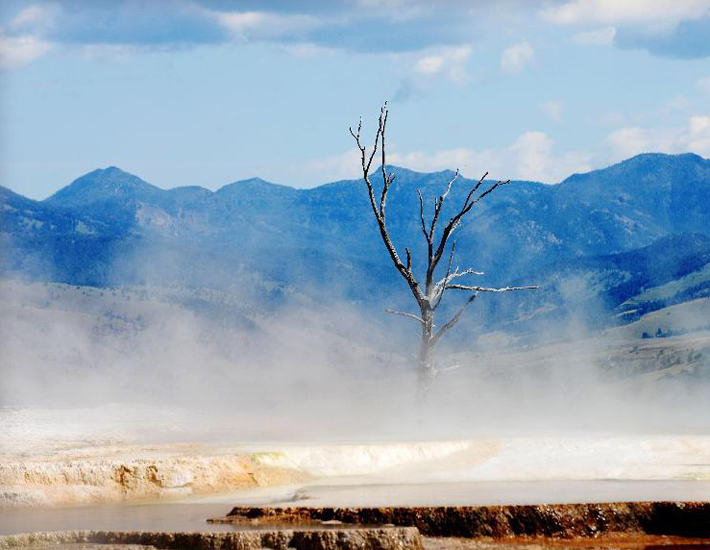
{"type": "Point", "coordinates": [429, 296]}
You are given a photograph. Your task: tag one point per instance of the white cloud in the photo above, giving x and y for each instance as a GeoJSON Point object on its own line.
{"type": "Point", "coordinates": [432, 65]}
{"type": "Point", "coordinates": [261, 25]}
{"type": "Point", "coordinates": [694, 137]}
{"type": "Point", "coordinates": [598, 37]}
{"type": "Point", "coordinates": [629, 141]}
{"type": "Point", "coordinates": [513, 59]}
{"type": "Point", "coordinates": [466, 159]}
{"type": "Point", "coordinates": [667, 28]}
{"type": "Point", "coordinates": [35, 16]}
{"type": "Point", "coordinates": [678, 102]}
{"type": "Point", "coordinates": [698, 135]}
{"type": "Point", "coordinates": [335, 167]}
{"type": "Point", "coordinates": [535, 159]}
{"type": "Point", "coordinates": [429, 65]}
{"type": "Point", "coordinates": [307, 49]}
{"type": "Point", "coordinates": [553, 109]}
{"type": "Point", "coordinates": [397, 10]}
{"type": "Point", "coordinates": [16, 51]}
{"type": "Point", "coordinates": [450, 62]}
{"type": "Point", "coordinates": [532, 150]}
{"type": "Point", "coordinates": [653, 14]}
{"type": "Point", "coordinates": [531, 156]}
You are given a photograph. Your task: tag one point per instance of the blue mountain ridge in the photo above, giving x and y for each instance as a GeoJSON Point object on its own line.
{"type": "Point", "coordinates": [111, 227]}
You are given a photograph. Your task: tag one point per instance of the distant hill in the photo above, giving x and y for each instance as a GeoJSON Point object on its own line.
{"type": "Point", "coordinates": [102, 186]}
{"type": "Point", "coordinates": [619, 288]}
{"type": "Point", "coordinates": [615, 232]}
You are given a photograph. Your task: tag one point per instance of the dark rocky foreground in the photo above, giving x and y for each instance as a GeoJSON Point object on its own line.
{"type": "Point", "coordinates": [631, 526]}
{"type": "Point", "coordinates": [376, 538]}
{"type": "Point", "coordinates": [684, 519]}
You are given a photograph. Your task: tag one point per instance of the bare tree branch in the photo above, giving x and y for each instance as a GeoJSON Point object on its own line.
{"type": "Point", "coordinates": [421, 217]}
{"type": "Point", "coordinates": [453, 223]}
{"type": "Point", "coordinates": [440, 203]}
{"type": "Point", "coordinates": [447, 369]}
{"type": "Point", "coordinates": [456, 274]}
{"type": "Point", "coordinates": [367, 164]}
{"type": "Point", "coordinates": [488, 289]}
{"type": "Point", "coordinates": [441, 289]}
{"type": "Point", "coordinates": [386, 178]}
{"type": "Point", "coordinates": [379, 210]}
{"type": "Point", "coordinates": [404, 314]}
{"type": "Point", "coordinates": [475, 188]}
{"type": "Point", "coordinates": [453, 320]}
{"type": "Point", "coordinates": [429, 298]}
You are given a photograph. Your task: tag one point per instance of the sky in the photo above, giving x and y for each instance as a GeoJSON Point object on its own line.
{"type": "Point", "coordinates": [206, 92]}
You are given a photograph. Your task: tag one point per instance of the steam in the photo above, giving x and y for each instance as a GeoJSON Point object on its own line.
{"type": "Point", "coordinates": [242, 366]}
{"type": "Point", "coordinates": [248, 356]}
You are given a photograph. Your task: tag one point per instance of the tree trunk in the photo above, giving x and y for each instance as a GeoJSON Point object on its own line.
{"type": "Point", "coordinates": [425, 370]}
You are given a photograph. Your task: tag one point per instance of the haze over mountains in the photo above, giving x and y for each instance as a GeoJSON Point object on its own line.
{"type": "Point", "coordinates": [597, 243]}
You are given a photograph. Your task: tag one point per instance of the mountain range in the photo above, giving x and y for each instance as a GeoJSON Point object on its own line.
{"type": "Point", "coordinates": [597, 243]}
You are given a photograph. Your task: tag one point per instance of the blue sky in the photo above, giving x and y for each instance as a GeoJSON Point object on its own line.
{"type": "Point", "coordinates": [201, 92]}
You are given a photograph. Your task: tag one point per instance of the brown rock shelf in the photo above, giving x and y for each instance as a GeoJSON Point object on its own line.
{"type": "Point", "coordinates": [379, 538]}
{"type": "Point", "coordinates": [684, 519]}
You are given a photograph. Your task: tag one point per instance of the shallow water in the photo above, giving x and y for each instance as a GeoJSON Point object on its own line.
{"type": "Point", "coordinates": [356, 491]}
{"type": "Point", "coordinates": [191, 514]}
{"type": "Point", "coordinates": [145, 517]}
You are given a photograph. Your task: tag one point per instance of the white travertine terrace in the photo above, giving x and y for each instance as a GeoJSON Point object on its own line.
{"type": "Point", "coordinates": [44, 467]}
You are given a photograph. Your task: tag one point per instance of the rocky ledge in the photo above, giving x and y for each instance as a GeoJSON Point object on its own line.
{"type": "Point", "coordinates": [686, 519]}
{"type": "Point", "coordinates": [91, 480]}
{"type": "Point", "coordinates": [378, 538]}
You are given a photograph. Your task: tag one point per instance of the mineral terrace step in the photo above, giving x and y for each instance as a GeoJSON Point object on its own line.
{"type": "Point", "coordinates": [344, 538]}
{"type": "Point", "coordinates": [686, 519]}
